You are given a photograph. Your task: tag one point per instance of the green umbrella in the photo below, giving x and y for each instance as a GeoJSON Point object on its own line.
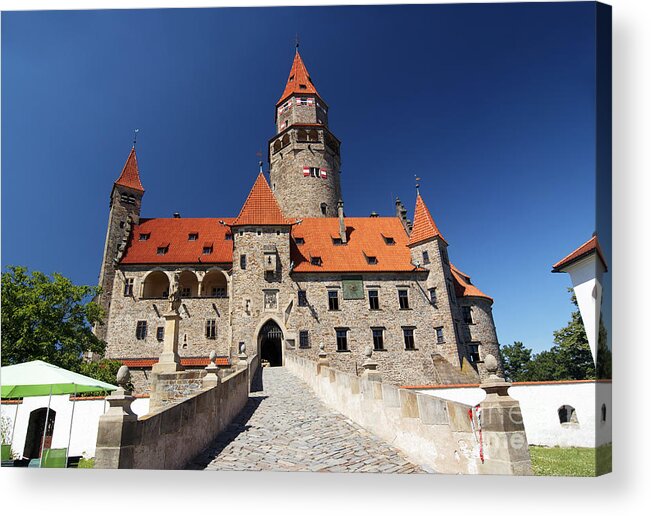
{"type": "Point", "coordinates": [38, 378]}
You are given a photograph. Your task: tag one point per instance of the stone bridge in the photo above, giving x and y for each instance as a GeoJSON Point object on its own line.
{"type": "Point", "coordinates": [307, 416]}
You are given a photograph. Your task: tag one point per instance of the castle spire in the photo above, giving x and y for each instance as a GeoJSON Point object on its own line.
{"type": "Point", "coordinates": [130, 177]}
{"type": "Point", "coordinates": [299, 80]}
{"type": "Point", "coordinates": [424, 227]}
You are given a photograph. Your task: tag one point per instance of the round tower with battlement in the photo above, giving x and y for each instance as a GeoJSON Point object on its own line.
{"type": "Point", "coordinates": [304, 155]}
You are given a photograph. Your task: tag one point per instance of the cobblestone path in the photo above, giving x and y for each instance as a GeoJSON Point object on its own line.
{"type": "Point", "coordinates": [286, 427]}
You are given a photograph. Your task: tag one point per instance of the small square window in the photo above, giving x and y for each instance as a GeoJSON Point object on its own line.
{"type": "Point", "coordinates": [144, 236]}
{"type": "Point", "coordinates": [302, 298]}
{"type": "Point", "coordinates": [403, 299]}
{"type": "Point", "coordinates": [299, 240]}
{"type": "Point", "coordinates": [193, 236]}
{"type": "Point", "coordinates": [316, 260]}
{"type": "Point", "coordinates": [373, 300]}
{"type": "Point", "coordinates": [160, 333]}
{"type": "Point", "coordinates": [333, 300]}
{"type": "Point", "coordinates": [408, 334]}
{"type": "Point", "coordinates": [128, 287]}
{"type": "Point", "coordinates": [141, 330]}
{"type": "Point", "coordinates": [304, 339]}
{"type": "Point", "coordinates": [439, 335]}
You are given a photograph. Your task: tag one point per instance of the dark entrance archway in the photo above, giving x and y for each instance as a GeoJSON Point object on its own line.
{"type": "Point", "coordinates": [35, 432]}
{"type": "Point", "coordinates": [271, 342]}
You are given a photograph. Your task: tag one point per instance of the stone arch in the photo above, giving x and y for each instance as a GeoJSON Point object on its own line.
{"type": "Point", "coordinates": [277, 145]}
{"type": "Point", "coordinates": [301, 135]}
{"type": "Point", "coordinates": [156, 284]}
{"type": "Point", "coordinates": [313, 136]}
{"type": "Point", "coordinates": [188, 283]}
{"type": "Point", "coordinates": [567, 415]}
{"type": "Point", "coordinates": [268, 343]}
{"type": "Point", "coordinates": [285, 140]}
{"type": "Point", "coordinates": [214, 284]}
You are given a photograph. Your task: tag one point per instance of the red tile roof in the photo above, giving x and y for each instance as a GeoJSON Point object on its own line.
{"type": "Point", "coordinates": [463, 287]}
{"type": "Point", "coordinates": [130, 176]}
{"type": "Point", "coordinates": [586, 249]}
{"type": "Point", "coordinates": [261, 207]}
{"type": "Point", "coordinates": [174, 233]}
{"type": "Point", "coordinates": [185, 361]}
{"type": "Point", "coordinates": [366, 238]}
{"type": "Point", "coordinates": [424, 227]}
{"type": "Point", "coordinates": [299, 80]}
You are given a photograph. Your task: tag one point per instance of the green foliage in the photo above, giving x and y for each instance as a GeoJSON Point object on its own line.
{"type": "Point", "coordinates": [48, 318]}
{"type": "Point", "coordinates": [515, 359]}
{"type": "Point", "coordinates": [104, 370]}
{"type": "Point", "coordinates": [85, 463]}
{"type": "Point", "coordinates": [571, 462]}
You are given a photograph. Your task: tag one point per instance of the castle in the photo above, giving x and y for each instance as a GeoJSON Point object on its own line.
{"type": "Point", "coordinates": [291, 272]}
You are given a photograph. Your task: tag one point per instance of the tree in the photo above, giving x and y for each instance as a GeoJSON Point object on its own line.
{"type": "Point", "coordinates": [515, 360]}
{"type": "Point", "coordinates": [48, 318]}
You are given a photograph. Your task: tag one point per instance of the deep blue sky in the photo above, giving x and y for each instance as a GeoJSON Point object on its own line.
{"type": "Point", "coordinates": [491, 105]}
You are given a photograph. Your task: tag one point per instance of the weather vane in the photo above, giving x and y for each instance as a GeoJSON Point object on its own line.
{"type": "Point", "coordinates": [297, 41]}
{"type": "Point", "coordinates": [259, 155]}
{"type": "Point", "coordinates": [417, 183]}
{"type": "Point", "coordinates": [135, 136]}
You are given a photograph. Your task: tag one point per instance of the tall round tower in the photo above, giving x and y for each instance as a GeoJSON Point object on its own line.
{"type": "Point", "coordinates": [304, 155]}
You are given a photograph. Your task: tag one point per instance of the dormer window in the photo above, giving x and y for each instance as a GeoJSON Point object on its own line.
{"type": "Point", "coordinates": [299, 240]}
{"type": "Point", "coordinates": [144, 236]}
{"type": "Point", "coordinates": [207, 249]}
{"type": "Point", "coordinates": [302, 86]}
{"type": "Point", "coordinates": [193, 236]}
{"type": "Point", "coordinates": [162, 249]}
{"type": "Point", "coordinates": [337, 241]}
{"type": "Point", "coordinates": [372, 260]}
{"type": "Point", "coordinates": [389, 240]}
{"type": "Point", "coordinates": [291, 78]}
{"type": "Point", "coordinates": [316, 260]}
{"type": "Point", "coordinates": [228, 236]}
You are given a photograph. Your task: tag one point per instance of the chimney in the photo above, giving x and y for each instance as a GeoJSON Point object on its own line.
{"type": "Point", "coordinates": [374, 214]}
{"type": "Point", "coordinates": [342, 225]}
{"type": "Point", "coordinates": [177, 215]}
{"type": "Point", "coordinates": [401, 213]}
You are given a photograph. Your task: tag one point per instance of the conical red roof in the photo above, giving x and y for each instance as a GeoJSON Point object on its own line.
{"type": "Point", "coordinates": [261, 207]}
{"type": "Point", "coordinates": [130, 176]}
{"type": "Point", "coordinates": [424, 227]}
{"type": "Point", "coordinates": [299, 80]}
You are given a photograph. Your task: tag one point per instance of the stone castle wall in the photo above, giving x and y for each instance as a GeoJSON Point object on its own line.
{"type": "Point", "coordinates": [482, 330]}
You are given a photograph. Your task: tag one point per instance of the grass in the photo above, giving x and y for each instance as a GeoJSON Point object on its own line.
{"type": "Point", "coordinates": [571, 462]}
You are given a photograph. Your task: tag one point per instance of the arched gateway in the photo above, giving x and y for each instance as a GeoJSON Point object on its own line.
{"type": "Point", "coordinates": [270, 343]}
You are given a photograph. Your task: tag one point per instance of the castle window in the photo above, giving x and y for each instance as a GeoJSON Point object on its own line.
{"type": "Point", "coordinates": [408, 335]}
{"type": "Point", "coordinates": [301, 135]}
{"type": "Point", "coordinates": [403, 299]}
{"type": "Point", "coordinates": [193, 236]}
{"type": "Point", "coordinates": [316, 260]}
{"type": "Point", "coordinates": [313, 136]}
{"type": "Point", "coordinates": [333, 300]}
{"type": "Point", "coordinates": [378, 338]}
{"type": "Point", "coordinates": [335, 241]}
{"type": "Point", "coordinates": [218, 292]}
{"type": "Point", "coordinates": [444, 255]}
{"type": "Point", "coordinates": [439, 335]}
{"type": "Point", "coordinates": [315, 172]}
{"type": "Point", "coordinates": [342, 339]}
{"type": "Point", "coordinates": [243, 261]}
{"type": "Point", "coordinates": [258, 232]}
{"type": "Point", "coordinates": [304, 339]}
{"type": "Point", "coordinates": [373, 300]}
{"type": "Point", "coordinates": [567, 415]}
{"type": "Point", "coordinates": [141, 330]}
{"type": "Point", "coordinates": [144, 236]}
{"type": "Point", "coordinates": [467, 314]}
{"type": "Point", "coordinates": [207, 249]}
{"type": "Point", "coordinates": [324, 209]}
{"type": "Point", "coordinates": [299, 240]}
{"type": "Point", "coordinates": [603, 412]}
{"type": "Point", "coordinates": [128, 287]}
{"type": "Point", "coordinates": [372, 260]}
{"type": "Point", "coordinates": [302, 298]}
{"type": "Point", "coordinates": [432, 296]}
{"type": "Point", "coordinates": [277, 145]}
{"type": "Point", "coordinates": [228, 236]}
{"type": "Point", "coordinates": [160, 333]}
{"type": "Point", "coordinates": [211, 329]}
{"type": "Point", "coordinates": [473, 353]}
{"type": "Point", "coordinates": [425, 257]}
{"type": "Point", "coordinates": [185, 340]}
{"type": "Point", "coordinates": [451, 295]}
{"type": "Point", "coordinates": [162, 249]}
{"type": "Point", "coordinates": [302, 86]}
{"type": "Point", "coordinates": [186, 291]}
{"type": "Point", "coordinates": [389, 240]}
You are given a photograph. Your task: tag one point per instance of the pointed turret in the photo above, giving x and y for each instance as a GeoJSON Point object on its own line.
{"type": "Point", "coordinates": [424, 227]}
{"type": "Point", "coordinates": [130, 177]}
{"type": "Point", "coordinates": [299, 80]}
{"type": "Point", "coordinates": [261, 207]}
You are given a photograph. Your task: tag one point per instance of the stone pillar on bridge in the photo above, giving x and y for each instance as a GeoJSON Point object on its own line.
{"type": "Point", "coordinates": [323, 359]}
{"type": "Point", "coordinates": [211, 379]}
{"type": "Point", "coordinates": [243, 359]}
{"type": "Point", "coordinates": [370, 366]}
{"type": "Point", "coordinates": [169, 360]}
{"type": "Point", "coordinates": [502, 430]}
{"type": "Point", "coordinates": [117, 428]}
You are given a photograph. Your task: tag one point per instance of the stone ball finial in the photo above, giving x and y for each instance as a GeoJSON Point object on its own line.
{"type": "Point", "coordinates": [490, 363]}
{"type": "Point", "coordinates": [212, 356]}
{"type": "Point", "coordinates": [124, 376]}
{"type": "Point", "coordinates": [368, 352]}
{"type": "Point", "coordinates": [242, 347]}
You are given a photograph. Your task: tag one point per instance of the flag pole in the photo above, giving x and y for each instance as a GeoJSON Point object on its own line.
{"type": "Point", "coordinates": [72, 418]}
{"type": "Point", "coordinates": [47, 416]}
